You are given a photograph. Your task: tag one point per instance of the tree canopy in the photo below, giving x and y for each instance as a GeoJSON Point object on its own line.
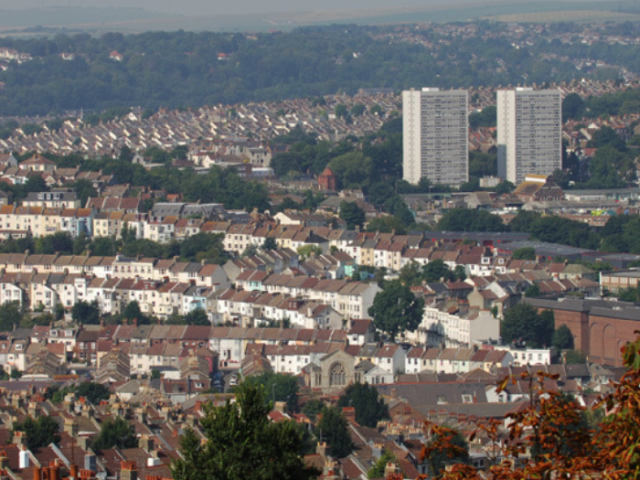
{"type": "Point", "coordinates": [523, 323]}
{"type": "Point", "coordinates": [40, 432]}
{"type": "Point", "coordinates": [240, 442]}
{"type": "Point", "coordinates": [116, 433]}
{"type": "Point", "coordinates": [333, 428]}
{"type": "Point", "coordinates": [366, 401]}
{"type": "Point", "coordinates": [396, 309]}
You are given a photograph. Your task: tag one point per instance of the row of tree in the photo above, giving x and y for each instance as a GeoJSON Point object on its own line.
{"type": "Point", "coordinates": [181, 69]}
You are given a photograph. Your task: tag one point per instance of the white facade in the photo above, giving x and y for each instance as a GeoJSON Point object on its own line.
{"type": "Point", "coordinates": [435, 136]}
{"type": "Point", "coordinates": [529, 133]}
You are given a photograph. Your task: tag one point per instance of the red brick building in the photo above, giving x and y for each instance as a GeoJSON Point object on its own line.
{"type": "Point", "coordinates": [327, 180]}
{"type": "Point", "coordinates": [600, 328]}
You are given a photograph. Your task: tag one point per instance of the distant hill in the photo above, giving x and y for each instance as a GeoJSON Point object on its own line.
{"type": "Point", "coordinates": [54, 74]}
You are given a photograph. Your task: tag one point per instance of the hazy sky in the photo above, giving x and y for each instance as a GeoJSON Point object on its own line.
{"type": "Point", "coordinates": [212, 7]}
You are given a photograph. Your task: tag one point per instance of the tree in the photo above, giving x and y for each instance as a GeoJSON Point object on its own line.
{"type": "Point", "coordinates": [10, 316]}
{"type": "Point", "coordinates": [269, 244]}
{"type": "Point", "coordinates": [532, 291]}
{"type": "Point", "coordinates": [341, 110]}
{"type": "Point", "coordinates": [84, 189]}
{"type": "Point", "coordinates": [466, 220]}
{"type": "Point", "coordinates": [60, 242]}
{"type": "Point", "coordinates": [358, 109]}
{"type": "Point", "coordinates": [306, 251]}
{"type": "Point", "coordinates": [132, 311]}
{"type": "Point", "coordinates": [562, 338]}
{"type": "Point", "coordinates": [370, 408]}
{"type": "Point", "coordinates": [334, 429]}
{"type": "Point", "coordinates": [564, 442]}
{"type": "Point", "coordinates": [396, 309]}
{"type": "Point", "coordinates": [313, 407]}
{"type": "Point", "coordinates": [523, 322]}
{"type": "Point", "coordinates": [574, 357]}
{"type": "Point", "coordinates": [351, 213]}
{"type": "Point", "coordinates": [197, 317]}
{"type": "Point", "coordinates": [524, 253]}
{"type": "Point", "coordinates": [116, 433]}
{"type": "Point", "coordinates": [436, 270]}
{"type": "Point", "coordinates": [249, 251]}
{"type": "Point", "coordinates": [572, 107]}
{"type": "Point", "coordinates": [410, 274]}
{"type": "Point", "coordinates": [504, 187]}
{"type": "Point", "coordinates": [445, 447]}
{"type": "Point", "coordinates": [86, 312]}
{"type": "Point", "coordinates": [378, 469]}
{"type": "Point", "coordinates": [126, 155]}
{"type": "Point", "coordinates": [238, 435]}
{"type": "Point", "coordinates": [93, 392]}
{"type": "Point", "coordinates": [40, 432]}
{"type": "Point", "coordinates": [278, 387]}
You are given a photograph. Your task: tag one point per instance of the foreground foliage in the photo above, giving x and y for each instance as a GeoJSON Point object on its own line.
{"type": "Point", "coordinates": [553, 430]}
{"type": "Point", "coordinates": [240, 442]}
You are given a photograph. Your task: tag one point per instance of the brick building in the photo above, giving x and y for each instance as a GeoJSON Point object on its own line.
{"type": "Point", "coordinates": [600, 328]}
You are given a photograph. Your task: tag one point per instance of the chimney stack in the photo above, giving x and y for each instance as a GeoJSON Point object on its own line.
{"type": "Point", "coordinates": [128, 471]}
{"type": "Point", "coordinates": [322, 449]}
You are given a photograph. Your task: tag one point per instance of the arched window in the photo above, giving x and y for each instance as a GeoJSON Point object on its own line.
{"type": "Point", "coordinates": [337, 374]}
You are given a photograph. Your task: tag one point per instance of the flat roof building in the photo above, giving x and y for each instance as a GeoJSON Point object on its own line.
{"type": "Point", "coordinates": [435, 136]}
{"type": "Point", "coordinates": [529, 133]}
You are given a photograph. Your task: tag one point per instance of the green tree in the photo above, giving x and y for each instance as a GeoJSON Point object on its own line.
{"type": "Point", "coordinates": [126, 155]}
{"type": "Point", "coordinates": [132, 311]}
{"type": "Point", "coordinates": [341, 111]}
{"type": "Point", "coordinates": [334, 429]}
{"type": "Point", "coordinates": [562, 338]}
{"type": "Point", "coordinates": [386, 224]}
{"type": "Point", "coordinates": [305, 251]}
{"type": "Point", "coordinates": [241, 443]}
{"type": "Point", "coordinates": [313, 407]}
{"type": "Point", "coordinates": [456, 452]}
{"type": "Point", "coordinates": [524, 253]}
{"type": "Point", "coordinates": [86, 312]}
{"type": "Point", "coordinates": [358, 109]}
{"type": "Point", "coordinates": [396, 309]}
{"type": "Point", "coordinates": [116, 433]}
{"type": "Point", "coordinates": [40, 432]}
{"type": "Point", "coordinates": [84, 189]}
{"type": "Point", "coordinates": [60, 242]}
{"type": "Point", "coordinates": [279, 387]}
{"type": "Point", "coordinates": [351, 213]}
{"type": "Point", "coordinates": [573, 357]}
{"type": "Point", "coordinates": [523, 221]}
{"type": "Point", "coordinates": [523, 322]}
{"type": "Point", "coordinates": [378, 469]}
{"type": "Point", "coordinates": [10, 316]}
{"type": "Point", "coordinates": [197, 317]}
{"type": "Point", "coordinates": [103, 247]}
{"type": "Point", "coordinates": [466, 220]}
{"type": "Point", "coordinates": [269, 244]}
{"type": "Point", "coordinates": [572, 107]}
{"type": "Point", "coordinates": [93, 392]}
{"type": "Point", "coordinates": [436, 270]}
{"type": "Point", "coordinates": [369, 407]}
{"type": "Point", "coordinates": [532, 291]}
{"type": "Point", "coordinates": [204, 246]}
{"type": "Point", "coordinates": [505, 187]}
{"type": "Point", "coordinates": [411, 274]}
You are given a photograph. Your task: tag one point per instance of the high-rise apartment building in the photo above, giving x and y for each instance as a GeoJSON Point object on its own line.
{"type": "Point", "coordinates": [435, 136]}
{"type": "Point", "coordinates": [529, 133]}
